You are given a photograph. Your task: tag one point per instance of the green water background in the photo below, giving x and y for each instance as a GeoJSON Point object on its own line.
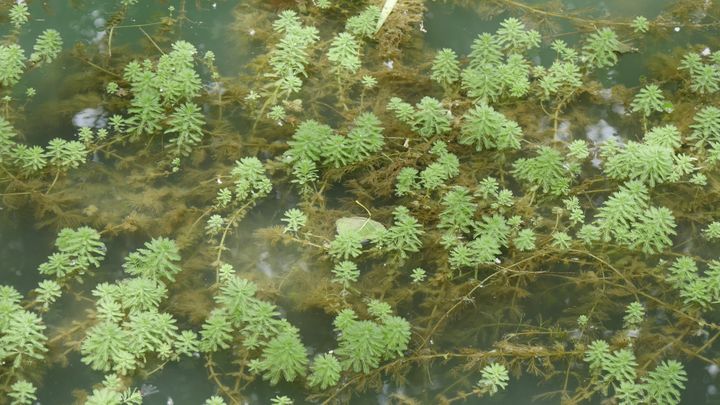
{"type": "Point", "coordinates": [23, 246]}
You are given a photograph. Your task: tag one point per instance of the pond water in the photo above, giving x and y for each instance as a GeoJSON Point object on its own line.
{"type": "Point", "coordinates": [524, 312]}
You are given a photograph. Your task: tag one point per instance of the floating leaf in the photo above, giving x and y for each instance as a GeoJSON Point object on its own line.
{"type": "Point", "coordinates": [386, 10]}
{"type": "Point", "coordinates": [365, 227]}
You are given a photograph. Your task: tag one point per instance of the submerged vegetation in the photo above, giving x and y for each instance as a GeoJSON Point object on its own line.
{"type": "Point", "coordinates": [450, 219]}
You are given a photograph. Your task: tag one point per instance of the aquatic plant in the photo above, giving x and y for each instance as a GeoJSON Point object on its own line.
{"type": "Point", "coordinates": [494, 378]}
{"type": "Point", "coordinates": [487, 129]}
{"type": "Point", "coordinates": [601, 48]}
{"type": "Point", "coordinates": [446, 68]}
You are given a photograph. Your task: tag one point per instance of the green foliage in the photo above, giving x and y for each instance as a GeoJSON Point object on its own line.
{"type": "Point", "coordinates": [649, 163]}
{"type": "Point", "coordinates": [250, 179]}
{"type": "Point", "coordinates": [406, 181]}
{"type": "Point", "coordinates": [156, 261]}
{"type": "Point", "coordinates": [47, 47]}
{"type": "Point", "coordinates": [215, 400]}
{"type": "Point", "coordinates": [597, 355]}
{"type": "Point", "coordinates": [665, 384]}
{"type": "Point", "coordinates": [324, 371]}
{"type": "Point", "coordinates": [167, 83]}
{"type": "Point", "coordinates": [704, 78]}
{"type": "Point", "coordinates": [706, 126]}
{"type": "Point", "coordinates": [362, 344]}
{"type": "Point", "coordinates": [418, 275]}
{"type": "Point", "coordinates": [78, 250]}
{"type": "Point", "coordinates": [403, 111]}
{"type": "Point", "coordinates": [430, 118]}
{"type": "Point", "coordinates": [369, 82]}
{"type": "Point", "coordinates": [634, 315]}
{"type": "Point", "coordinates": [215, 333]}
{"type": "Point", "coordinates": [458, 210]}
{"type": "Point", "coordinates": [494, 378]}
{"type": "Point", "coordinates": [404, 236]}
{"type": "Point", "coordinates": [23, 393]}
{"type": "Point", "coordinates": [19, 14]}
{"type": "Point", "coordinates": [648, 100]}
{"type": "Point", "coordinates": [12, 64]}
{"type": "Point", "coordinates": [525, 240]}
{"type": "Point", "coordinates": [346, 245]}
{"type": "Point", "coordinates": [307, 141]}
{"type": "Point", "coordinates": [601, 48]}
{"type": "Point", "coordinates": [513, 36]}
{"type": "Point", "coordinates": [65, 154]}
{"type": "Point", "coordinates": [186, 121]}
{"type": "Point", "coordinates": [281, 400]}
{"type": "Point", "coordinates": [712, 231]}
{"type": "Point", "coordinates": [284, 357]}
{"type": "Point", "coordinates": [344, 54]}
{"type": "Point", "coordinates": [487, 129]}
{"type": "Point", "coordinates": [653, 230]}
{"type": "Point", "coordinates": [292, 53]}
{"type": "Point", "coordinates": [446, 68]}
{"type": "Point", "coordinates": [562, 78]}
{"type": "Point", "coordinates": [294, 219]}
{"type": "Point", "coordinates": [444, 168]}
{"type": "Point", "coordinates": [561, 240]}
{"type": "Point", "coordinates": [346, 273]}
{"type": "Point", "coordinates": [365, 138]}
{"type": "Point", "coordinates": [23, 340]}
{"type": "Point", "coordinates": [48, 291]}
{"type": "Point", "coordinates": [547, 171]}
{"type": "Point", "coordinates": [363, 25]}
{"type": "Point", "coordinates": [640, 24]}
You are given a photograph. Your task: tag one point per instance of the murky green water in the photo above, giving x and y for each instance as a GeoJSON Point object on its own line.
{"type": "Point", "coordinates": [101, 192]}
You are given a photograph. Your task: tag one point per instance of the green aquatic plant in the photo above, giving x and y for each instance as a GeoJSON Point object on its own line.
{"type": "Point", "coordinates": [649, 100]}
{"type": "Point", "coordinates": [12, 64]}
{"type": "Point", "coordinates": [513, 36]}
{"type": "Point", "coordinates": [344, 53]}
{"type": "Point", "coordinates": [294, 219]}
{"type": "Point", "coordinates": [215, 400]}
{"type": "Point", "coordinates": [487, 129]}
{"type": "Point", "coordinates": [706, 126]}
{"type": "Point", "coordinates": [47, 47]}
{"type": "Point", "coordinates": [525, 240]}
{"type": "Point", "coordinates": [187, 122]}
{"type": "Point", "coordinates": [346, 245]}
{"type": "Point", "coordinates": [418, 275]}
{"type": "Point", "coordinates": [250, 179]}
{"type": "Point", "coordinates": [640, 24]}
{"type": "Point", "coordinates": [346, 273]}
{"type": "Point", "coordinates": [325, 371]}
{"type": "Point", "coordinates": [446, 68]}
{"type": "Point", "coordinates": [704, 78]}
{"type": "Point", "coordinates": [634, 315]}
{"type": "Point", "coordinates": [363, 344]}
{"type": "Point", "coordinates": [404, 236]}
{"type": "Point", "coordinates": [406, 181]}
{"type": "Point", "coordinates": [430, 118]}
{"type": "Point", "coordinates": [547, 171]}
{"type": "Point", "coordinates": [363, 25]}
{"type": "Point", "coordinates": [19, 15]}
{"type": "Point", "coordinates": [458, 210]}
{"type": "Point", "coordinates": [23, 340]}
{"type": "Point", "coordinates": [284, 357]}
{"type": "Point", "coordinates": [48, 291]}
{"type": "Point", "coordinates": [156, 261]}
{"type": "Point", "coordinates": [281, 400]}
{"type": "Point", "coordinates": [601, 48]}
{"type": "Point", "coordinates": [494, 379]}
{"type": "Point", "coordinates": [23, 393]}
